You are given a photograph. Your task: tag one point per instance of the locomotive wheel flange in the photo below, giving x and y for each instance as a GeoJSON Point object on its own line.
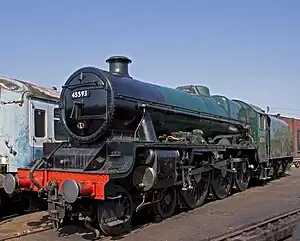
{"type": "Point", "coordinates": [242, 178]}
{"type": "Point", "coordinates": [166, 205]}
{"type": "Point", "coordinates": [221, 180]}
{"type": "Point", "coordinates": [196, 196]}
{"type": "Point", "coordinates": [114, 215]}
{"type": "Point", "coordinates": [221, 186]}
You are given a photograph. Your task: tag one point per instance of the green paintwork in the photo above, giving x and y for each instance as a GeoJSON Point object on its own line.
{"type": "Point", "coordinates": [271, 135]}
{"type": "Point", "coordinates": [192, 102]}
{"type": "Point", "coordinates": [281, 139]}
{"type": "Point", "coordinates": [235, 110]}
{"type": "Point", "coordinates": [203, 104]}
{"type": "Point", "coordinates": [195, 89]}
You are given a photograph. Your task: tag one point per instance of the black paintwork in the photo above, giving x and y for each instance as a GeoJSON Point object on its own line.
{"type": "Point", "coordinates": [116, 102]}
{"type": "Point", "coordinates": [105, 107]}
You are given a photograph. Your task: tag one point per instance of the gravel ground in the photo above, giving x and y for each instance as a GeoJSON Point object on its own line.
{"type": "Point", "coordinates": [214, 218]}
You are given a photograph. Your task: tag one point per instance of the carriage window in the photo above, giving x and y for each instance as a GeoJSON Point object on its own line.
{"type": "Point", "coordinates": [59, 131]}
{"type": "Point", "coordinates": [39, 123]}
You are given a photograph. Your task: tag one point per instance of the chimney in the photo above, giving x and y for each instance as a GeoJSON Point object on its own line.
{"type": "Point", "coordinates": [118, 65]}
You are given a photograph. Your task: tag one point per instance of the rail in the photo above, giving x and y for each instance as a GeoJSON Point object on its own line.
{"type": "Point", "coordinates": [276, 228]}
{"type": "Point", "coordinates": [37, 229]}
{"type": "Point", "coordinates": [279, 227]}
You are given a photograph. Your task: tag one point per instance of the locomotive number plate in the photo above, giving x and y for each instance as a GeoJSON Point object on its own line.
{"type": "Point", "coordinates": [80, 94]}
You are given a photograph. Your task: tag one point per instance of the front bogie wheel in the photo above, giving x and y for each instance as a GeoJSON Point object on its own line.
{"type": "Point", "coordinates": [166, 203]}
{"type": "Point", "coordinates": [115, 214]}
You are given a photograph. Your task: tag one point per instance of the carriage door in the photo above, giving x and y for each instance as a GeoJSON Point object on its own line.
{"type": "Point", "coordinates": [57, 130]}
{"type": "Point", "coordinates": [38, 127]}
{"type": "Point", "coordinates": [263, 137]}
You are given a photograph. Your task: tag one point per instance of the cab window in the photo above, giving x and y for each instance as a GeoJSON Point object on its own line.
{"type": "Point", "coordinates": [39, 123]}
{"type": "Point", "coordinates": [262, 122]}
{"type": "Point", "coordinates": [59, 132]}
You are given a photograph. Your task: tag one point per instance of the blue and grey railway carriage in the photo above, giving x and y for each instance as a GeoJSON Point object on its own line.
{"type": "Point", "coordinates": [29, 116]}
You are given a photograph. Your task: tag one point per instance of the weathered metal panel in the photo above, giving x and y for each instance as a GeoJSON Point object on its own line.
{"type": "Point", "coordinates": [15, 148]}
{"type": "Point", "coordinates": [281, 138]}
{"type": "Point", "coordinates": [14, 134]}
{"type": "Point", "coordinates": [33, 89]}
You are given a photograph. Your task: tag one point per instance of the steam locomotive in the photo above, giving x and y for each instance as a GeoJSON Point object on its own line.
{"type": "Point", "coordinates": [136, 145]}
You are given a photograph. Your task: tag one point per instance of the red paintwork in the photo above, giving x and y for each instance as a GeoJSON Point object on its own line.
{"type": "Point", "coordinates": [90, 184]}
{"type": "Point", "coordinates": [24, 183]}
{"type": "Point", "coordinates": [86, 189]}
{"type": "Point", "coordinates": [294, 126]}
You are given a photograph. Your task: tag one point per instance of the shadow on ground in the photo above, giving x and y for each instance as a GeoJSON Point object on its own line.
{"type": "Point", "coordinates": [44, 221]}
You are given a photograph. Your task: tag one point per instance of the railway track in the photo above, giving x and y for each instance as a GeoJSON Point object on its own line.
{"type": "Point", "coordinates": [277, 228]}
{"type": "Point", "coordinates": [26, 233]}
{"type": "Point", "coordinates": [15, 229]}
{"type": "Point", "coordinates": [8, 217]}
{"type": "Point", "coordinates": [269, 212]}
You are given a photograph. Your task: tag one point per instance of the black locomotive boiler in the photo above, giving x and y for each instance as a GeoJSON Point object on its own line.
{"type": "Point", "coordinates": [136, 145]}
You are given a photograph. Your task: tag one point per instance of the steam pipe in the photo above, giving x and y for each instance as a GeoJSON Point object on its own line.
{"type": "Point", "coordinates": [39, 162]}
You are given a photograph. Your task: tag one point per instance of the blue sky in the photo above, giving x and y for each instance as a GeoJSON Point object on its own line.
{"type": "Point", "coordinates": [248, 50]}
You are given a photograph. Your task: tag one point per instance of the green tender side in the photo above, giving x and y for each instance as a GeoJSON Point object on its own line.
{"type": "Point", "coordinates": [271, 135]}
{"type": "Point", "coordinates": [204, 104]}
{"type": "Point", "coordinates": [281, 139]}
